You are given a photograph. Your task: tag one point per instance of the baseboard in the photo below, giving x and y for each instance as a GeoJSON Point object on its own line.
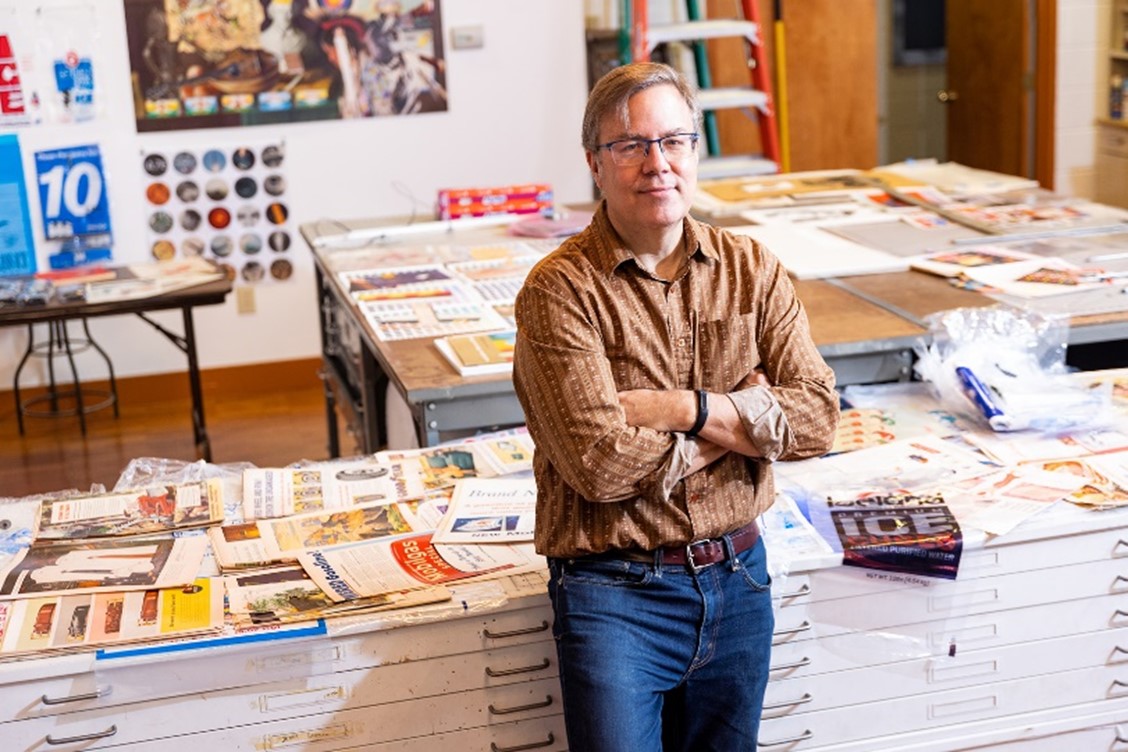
{"type": "Point", "coordinates": [279, 376]}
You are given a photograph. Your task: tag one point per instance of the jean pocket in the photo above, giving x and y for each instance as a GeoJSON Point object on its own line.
{"type": "Point", "coordinates": [605, 572]}
{"type": "Point", "coordinates": [754, 568]}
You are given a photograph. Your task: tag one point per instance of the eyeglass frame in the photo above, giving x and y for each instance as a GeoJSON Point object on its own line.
{"type": "Point", "coordinates": [694, 137]}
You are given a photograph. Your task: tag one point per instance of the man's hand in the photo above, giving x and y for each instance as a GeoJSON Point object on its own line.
{"type": "Point", "coordinates": [660, 409]}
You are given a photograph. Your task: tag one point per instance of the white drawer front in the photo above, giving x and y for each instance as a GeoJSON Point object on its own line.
{"type": "Point", "coordinates": [926, 676]}
{"type": "Point", "coordinates": [538, 735]}
{"type": "Point", "coordinates": [955, 635]}
{"type": "Point", "coordinates": [388, 686]}
{"type": "Point", "coordinates": [875, 608]}
{"type": "Point", "coordinates": [941, 709]}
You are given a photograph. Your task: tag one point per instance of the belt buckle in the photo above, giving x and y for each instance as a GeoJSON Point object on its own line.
{"type": "Point", "coordinates": [689, 560]}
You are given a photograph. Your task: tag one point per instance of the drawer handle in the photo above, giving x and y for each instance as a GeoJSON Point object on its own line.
{"type": "Point", "coordinates": [1120, 650]}
{"type": "Point", "coordinates": [804, 627]}
{"type": "Point", "coordinates": [1117, 684]}
{"type": "Point", "coordinates": [84, 737]}
{"type": "Point", "coordinates": [1120, 580]}
{"type": "Point", "coordinates": [535, 745]}
{"type": "Point", "coordinates": [793, 740]}
{"type": "Point", "coordinates": [804, 661]}
{"type": "Point", "coordinates": [100, 692]}
{"type": "Point", "coordinates": [804, 589]}
{"type": "Point", "coordinates": [515, 632]}
{"type": "Point", "coordinates": [1119, 613]}
{"type": "Point", "coordinates": [521, 708]}
{"type": "Point", "coordinates": [519, 670]}
{"type": "Point", "coordinates": [1120, 544]}
{"type": "Point", "coordinates": [790, 703]}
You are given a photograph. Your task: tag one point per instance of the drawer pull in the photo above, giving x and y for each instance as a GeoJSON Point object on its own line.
{"type": "Point", "coordinates": [1120, 650]}
{"type": "Point", "coordinates": [804, 589]}
{"type": "Point", "coordinates": [804, 627]}
{"type": "Point", "coordinates": [804, 661]}
{"type": "Point", "coordinates": [515, 632]}
{"type": "Point", "coordinates": [100, 692]}
{"type": "Point", "coordinates": [1120, 580]}
{"type": "Point", "coordinates": [84, 737]}
{"type": "Point", "coordinates": [790, 703]}
{"type": "Point", "coordinates": [1120, 549]}
{"type": "Point", "coordinates": [1117, 684]}
{"type": "Point", "coordinates": [793, 740]}
{"type": "Point", "coordinates": [535, 745]}
{"type": "Point", "coordinates": [521, 708]}
{"type": "Point", "coordinates": [519, 670]}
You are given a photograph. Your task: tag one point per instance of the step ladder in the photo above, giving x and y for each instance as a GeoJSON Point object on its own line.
{"type": "Point", "coordinates": [755, 98]}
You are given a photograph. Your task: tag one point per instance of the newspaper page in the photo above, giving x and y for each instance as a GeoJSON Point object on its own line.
{"type": "Point", "coordinates": [65, 623]}
{"type": "Point", "coordinates": [93, 566]}
{"type": "Point", "coordinates": [505, 452]}
{"type": "Point", "coordinates": [376, 567]}
{"type": "Point", "coordinates": [418, 472]}
{"type": "Point", "coordinates": [19, 521]}
{"type": "Point", "coordinates": [1008, 497]}
{"type": "Point", "coordinates": [274, 540]}
{"type": "Point", "coordinates": [141, 511]}
{"type": "Point", "coordinates": [281, 492]}
{"type": "Point", "coordinates": [489, 510]}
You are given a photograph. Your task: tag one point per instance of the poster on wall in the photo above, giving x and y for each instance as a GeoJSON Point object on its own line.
{"type": "Point", "coordinates": [72, 199]}
{"type": "Point", "coordinates": [226, 204]}
{"type": "Point", "coordinates": [17, 249]}
{"type": "Point", "coordinates": [13, 100]}
{"type": "Point", "coordinates": [221, 63]}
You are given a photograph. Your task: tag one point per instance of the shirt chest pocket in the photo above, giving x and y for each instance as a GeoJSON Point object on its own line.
{"type": "Point", "coordinates": [727, 353]}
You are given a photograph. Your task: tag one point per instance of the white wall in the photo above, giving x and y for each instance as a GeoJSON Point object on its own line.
{"type": "Point", "coordinates": [1083, 30]}
{"type": "Point", "coordinates": [514, 114]}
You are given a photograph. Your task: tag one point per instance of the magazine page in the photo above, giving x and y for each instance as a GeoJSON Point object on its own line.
{"type": "Point", "coordinates": [418, 472]}
{"type": "Point", "coordinates": [138, 564]}
{"type": "Point", "coordinates": [377, 567]}
{"type": "Point", "coordinates": [19, 522]}
{"type": "Point", "coordinates": [143, 511]}
{"type": "Point", "coordinates": [953, 263]}
{"type": "Point", "coordinates": [489, 510]}
{"type": "Point", "coordinates": [504, 453]}
{"type": "Point", "coordinates": [479, 354]}
{"type": "Point", "coordinates": [281, 492]}
{"type": "Point", "coordinates": [1009, 497]}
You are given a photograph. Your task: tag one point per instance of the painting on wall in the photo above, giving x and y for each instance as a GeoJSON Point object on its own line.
{"type": "Point", "coordinates": [222, 63]}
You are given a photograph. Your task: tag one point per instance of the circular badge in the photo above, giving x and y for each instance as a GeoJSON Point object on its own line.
{"type": "Point", "coordinates": [192, 246]}
{"type": "Point", "coordinates": [155, 164]}
{"type": "Point", "coordinates": [279, 241]}
{"type": "Point", "coordinates": [214, 161]}
{"type": "Point", "coordinates": [157, 193]}
{"type": "Point", "coordinates": [250, 244]}
{"type": "Point", "coordinates": [216, 188]}
{"type": "Point", "coordinates": [243, 158]}
{"type": "Point", "coordinates": [281, 269]}
{"type": "Point", "coordinates": [163, 250]}
{"type": "Point", "coordinates": [272, 156]}
{"type": "Point", "coordinates": [275, 185]}
{"type": "Point", "coordinates": [277, 213]}
{"type": "Point", "coordinates": [228, 272]}
{"type": "Point", "coordinates": [253, 271]}
{"type": "Point", "coordinates": [221, 245]}
{"type": "Point", "coordinates": [219, 218]}
{"type": "Point", "coordinates": [160, 222]}
{"type": "Point", "coordinates": [184, 162]}
{"type": "Point", "coordinates": [248, 215]}
{"type": "Point", "coordinates": [187, 191]}
{"type": "Point", "coordinates": [190, 219]}
{"type": "Point", "coordinates": [246, 187]}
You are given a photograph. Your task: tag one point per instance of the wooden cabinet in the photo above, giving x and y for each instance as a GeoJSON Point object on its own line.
{"type": "Point", "coordinates": [1112, 162]}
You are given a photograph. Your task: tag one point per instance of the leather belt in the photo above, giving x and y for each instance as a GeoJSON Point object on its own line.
{"type": "Point", "coordinates": [695, 555]}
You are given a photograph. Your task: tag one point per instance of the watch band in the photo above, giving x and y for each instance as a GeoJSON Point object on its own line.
{"type": "Point", "coordinates": [702, 413]}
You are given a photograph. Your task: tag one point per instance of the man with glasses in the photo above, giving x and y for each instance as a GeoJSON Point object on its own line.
{"type": "Point", "coordinates": [662, 364]}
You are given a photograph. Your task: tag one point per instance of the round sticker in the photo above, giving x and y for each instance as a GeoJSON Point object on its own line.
{"type": "Point", "coordinates": [277, 213]}
{"type": "Point", "coordinates": [214, 161]}
{"type": "Point", "coordinates": [192, 247]}
{"type": "Point", "coordinates": [243, 158]}
{"type": "Point", "coordinates": [163, 250]}
{"type": "Point", "coordinates": [188, 191]}
{"type": "Point", "coordinates": [250, 244]}
{"type": "Point", "coordinates": [216, 188]}
{"type": "Point", "coordinates": [157, 193]}
{"type": "Point", "coordinates": [246, 187]}
{"type": "Point", "coordinates": [160, 222]}
{"type": "Point", "coordinates": [184, 162]}
{"type": "Point", "coordinates": [253, 271]}
{"type": "Point", "coordinates": [228, 272]}
{"type": "Point", "coordinates": [219, 218]}
{"type": "Point", "coordinates": [272, 156]}
{"type": "Point", "coordinates": [190, 219]}
{"type": "Point", "coordinates": [221, 245]}
{"type": "Point", "coordinates": [281, 269]}
{"type": "Point", "coordinates": [279, 241]}
{"type": "Point", "coordinates": [156, 164]}
{"type": "Point", "coordinates": [275, 185]}
{"type": "Point", "coordinates": [248, 215]}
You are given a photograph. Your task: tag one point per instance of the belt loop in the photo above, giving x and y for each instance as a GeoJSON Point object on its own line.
{"type": "Point", "coordinates": [730, 552]}
{"type": "Point", "coordinates": [657, 563]}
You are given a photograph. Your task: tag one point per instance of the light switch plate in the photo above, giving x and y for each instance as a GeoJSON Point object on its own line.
{"type": "Point", "coordinates": [467, 37]}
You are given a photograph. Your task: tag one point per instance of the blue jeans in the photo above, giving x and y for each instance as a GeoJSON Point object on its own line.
{"type": "Point", "coordinates": [655, 657]}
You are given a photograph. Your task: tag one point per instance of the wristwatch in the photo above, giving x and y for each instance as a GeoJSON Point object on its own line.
{"type": "Point", "coordinates": [702, 414]}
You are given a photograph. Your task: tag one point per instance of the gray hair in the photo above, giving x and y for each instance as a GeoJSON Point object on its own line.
{"type": "Point", "coordinates": [612, 93]}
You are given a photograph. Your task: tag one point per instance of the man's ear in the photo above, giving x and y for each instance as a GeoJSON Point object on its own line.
{"type": "Point", "coordinates": [593, 165]}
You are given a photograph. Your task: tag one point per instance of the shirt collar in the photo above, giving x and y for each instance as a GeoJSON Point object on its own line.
{"type": "Point", "coordinates": [609, 251]}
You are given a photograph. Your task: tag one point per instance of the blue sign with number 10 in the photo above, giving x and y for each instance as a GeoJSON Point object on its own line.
{"type": "Point", "coordinates": [72, 192]}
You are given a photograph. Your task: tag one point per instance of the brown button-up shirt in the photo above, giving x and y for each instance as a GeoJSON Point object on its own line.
{"type": "Point", "coordinates": [591, 322]}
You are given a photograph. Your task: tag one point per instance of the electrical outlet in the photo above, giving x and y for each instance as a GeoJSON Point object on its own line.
{"type": "Point", "coordinates": [245, 299]}
{"type": "Point", "coordinates": [466, 37]}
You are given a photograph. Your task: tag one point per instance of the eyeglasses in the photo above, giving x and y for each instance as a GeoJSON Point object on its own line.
{"type": "Point", "coordinates": [632, 151]}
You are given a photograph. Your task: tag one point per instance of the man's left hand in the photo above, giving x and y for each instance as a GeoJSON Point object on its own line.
{"type": "Point", "coordinates": [659, 409]}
